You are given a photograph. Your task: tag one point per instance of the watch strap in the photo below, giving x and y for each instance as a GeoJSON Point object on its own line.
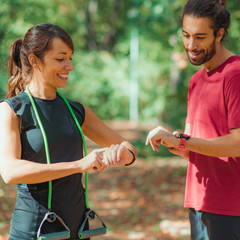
{"type": "Point", "coordinates": [182, 145]}
{"type": "Point", "coordinates": [183, 140]}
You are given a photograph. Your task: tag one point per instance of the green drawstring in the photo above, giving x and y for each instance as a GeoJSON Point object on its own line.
{"type": "Point", "coordinates": [84, 143]}
{"type": "Point", "coordinates": [46, 144]}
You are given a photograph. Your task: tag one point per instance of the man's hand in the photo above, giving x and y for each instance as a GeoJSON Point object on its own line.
{"type": "Point", "coordinates": [161, 135]}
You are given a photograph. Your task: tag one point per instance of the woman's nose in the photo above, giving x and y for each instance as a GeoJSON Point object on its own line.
{"type": "Point", "coordinates": [70, 66]}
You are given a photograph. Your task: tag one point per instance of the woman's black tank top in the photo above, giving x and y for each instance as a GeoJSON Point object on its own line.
{"type": "Point", "coordinates": [65, 145]}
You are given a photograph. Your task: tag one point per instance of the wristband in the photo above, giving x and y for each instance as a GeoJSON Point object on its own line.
{"type": "Point", "coordinates": [134, 158]}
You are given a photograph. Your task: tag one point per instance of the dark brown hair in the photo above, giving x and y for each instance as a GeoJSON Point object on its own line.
{"type": "Point", "coordinates": [213, 9]}
{"type": "Point", "coordinates": [38, 40]}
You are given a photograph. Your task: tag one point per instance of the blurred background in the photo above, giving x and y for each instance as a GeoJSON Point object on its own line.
{"type": "Point", "coordinates": [131, 70]}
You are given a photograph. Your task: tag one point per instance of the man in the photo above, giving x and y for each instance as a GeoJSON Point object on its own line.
{"type": "Point", "coordinates": [212, 131]}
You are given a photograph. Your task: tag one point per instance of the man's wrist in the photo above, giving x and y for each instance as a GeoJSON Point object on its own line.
{"type": "Point", "coordinates": [183, 140]}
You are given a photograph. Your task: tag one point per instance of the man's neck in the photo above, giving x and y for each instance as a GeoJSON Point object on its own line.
{"type": "Point", "coordinates": [222, 54]}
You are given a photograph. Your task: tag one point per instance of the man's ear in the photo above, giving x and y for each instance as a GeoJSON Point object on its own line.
{"type": "Point", "coordinates": [220, 34]}
{"type": "Point", "coordinates": [33, 60]}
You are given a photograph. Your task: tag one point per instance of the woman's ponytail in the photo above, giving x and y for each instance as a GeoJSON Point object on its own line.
{"type": "Point", "coordinates": [15, 82]}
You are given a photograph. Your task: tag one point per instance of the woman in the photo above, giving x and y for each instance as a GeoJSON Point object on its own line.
{"type": "Point", "coordinates": [43, 60]}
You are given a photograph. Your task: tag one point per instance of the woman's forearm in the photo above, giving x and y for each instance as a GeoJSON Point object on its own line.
{"type": "Point", "coordinates": [23, 171]}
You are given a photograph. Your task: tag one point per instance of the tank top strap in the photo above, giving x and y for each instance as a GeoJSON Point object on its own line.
{"type": "Point", "coordinates": [79, 110]}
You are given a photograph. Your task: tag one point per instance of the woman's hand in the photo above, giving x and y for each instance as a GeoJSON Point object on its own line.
{"type": "Point", "coordinates": [117, 155]}
{"type": "Point", "coordinates": [94, 160]}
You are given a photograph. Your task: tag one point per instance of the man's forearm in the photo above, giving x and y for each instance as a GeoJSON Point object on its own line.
{"type": "Point", "coordinates": [225, 146]}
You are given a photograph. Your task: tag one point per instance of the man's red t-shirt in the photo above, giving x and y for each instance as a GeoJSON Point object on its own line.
{"type": "Point", "coordinates": [213, 183]}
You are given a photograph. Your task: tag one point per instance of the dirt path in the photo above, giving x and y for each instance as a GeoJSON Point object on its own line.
{"type": "Point", "coordinates": [144, 201]}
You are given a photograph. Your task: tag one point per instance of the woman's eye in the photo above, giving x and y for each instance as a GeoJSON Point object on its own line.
{"type": "Point", "coordinates": [61, 59]}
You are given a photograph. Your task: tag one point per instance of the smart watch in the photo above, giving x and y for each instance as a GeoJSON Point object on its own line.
{"type": "Point", "coordinates": [183, 139]}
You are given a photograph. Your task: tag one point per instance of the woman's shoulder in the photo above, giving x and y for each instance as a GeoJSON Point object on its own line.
{"type": "Point", "coordinates": [78, 109]}
{"type": "Point", "coordinates": [18, 103]}
{"type": "Point", "coordinates": [77, 106]}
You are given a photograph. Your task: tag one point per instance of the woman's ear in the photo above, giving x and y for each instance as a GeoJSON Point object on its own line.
{"type": "Point", "coordinates": [33, 60]}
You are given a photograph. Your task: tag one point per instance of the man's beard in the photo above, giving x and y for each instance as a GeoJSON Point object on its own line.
{"type": "Point", "coordinates": [206, 55]}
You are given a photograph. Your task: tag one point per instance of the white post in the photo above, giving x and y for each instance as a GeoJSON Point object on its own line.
{"type": "Point", "coordinates": [134, 53]}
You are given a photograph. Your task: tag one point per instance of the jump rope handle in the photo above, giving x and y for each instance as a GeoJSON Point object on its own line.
{"type": "Point", "coordinates": [55, 236]}
{"type": "Point", "coordinates": [83, 234]}
{"type": "Point", "coordinates": [92, 233]}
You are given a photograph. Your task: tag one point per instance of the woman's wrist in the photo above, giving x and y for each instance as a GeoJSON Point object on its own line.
{"type": "Point", "coordinates": [134, 158]}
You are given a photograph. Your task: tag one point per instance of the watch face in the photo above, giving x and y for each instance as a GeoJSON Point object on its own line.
{"type": "Point", "coordinates": [184, 136]}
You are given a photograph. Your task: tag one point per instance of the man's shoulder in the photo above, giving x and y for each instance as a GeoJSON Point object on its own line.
{"type": "Point", "coordinates": [232, 66]}
{"type": "Point", "coordinates": [233, 60]}
{"type": "Point", "coordinates": [229, 68]}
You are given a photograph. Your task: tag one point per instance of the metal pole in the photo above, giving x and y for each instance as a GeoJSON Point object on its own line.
{"type": "Point", "coordinates": [134, 55]}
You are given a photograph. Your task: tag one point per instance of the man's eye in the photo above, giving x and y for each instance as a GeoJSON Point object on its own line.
{"type": "Point", "coordinates": [59, 59]}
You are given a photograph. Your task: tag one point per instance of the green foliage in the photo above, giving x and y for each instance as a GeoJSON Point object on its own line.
{"type": "Point", "coordinates": [101, 34]}
{"type": "Point", "coordinates": [104, 87]}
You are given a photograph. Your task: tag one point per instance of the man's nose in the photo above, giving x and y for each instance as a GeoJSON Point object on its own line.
{"type": "Point", "coordinates": [192, 44]}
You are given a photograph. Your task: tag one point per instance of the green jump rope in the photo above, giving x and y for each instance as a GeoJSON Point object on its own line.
{"type": "Point", "coordinates": [51, 216]}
